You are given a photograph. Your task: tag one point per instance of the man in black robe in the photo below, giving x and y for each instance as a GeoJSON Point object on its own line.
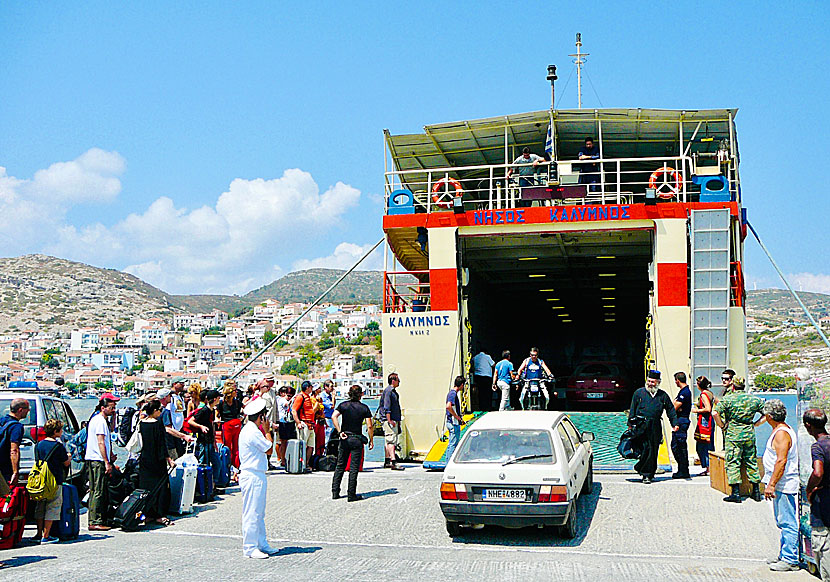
{"type": "Point", "coordinates": [649, 403]}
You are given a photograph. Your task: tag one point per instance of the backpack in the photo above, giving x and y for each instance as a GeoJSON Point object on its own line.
{"type": "Point", "coordinates": [42, 484]}
{"type": "Point", "coordinates": [77, 446]}
{"type": "Point", "coordinates": [125, 425]}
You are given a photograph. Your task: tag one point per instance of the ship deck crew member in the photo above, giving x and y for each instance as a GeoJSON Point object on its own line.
{"type": "Point", "coordinates": [589, 173]}
{"type": "Point", "coordinates": [683, 407]}
{"type": "Point", "coordinates": [483, 380]}
{"type": "Point", "coordinates": [526, 167]}
{"type": "Point", "coordinates": [255, 446]}
{"type": "Point", "coordinates": [735, 415]}
{"type": "Point", "coordinates": [348, 421]}
{"type": "Point", "coordinates": [502, 376]}
{"type": "Point", "coordinates": [649, 402]}
{"type": "Point", "coordinates": [532, 369]}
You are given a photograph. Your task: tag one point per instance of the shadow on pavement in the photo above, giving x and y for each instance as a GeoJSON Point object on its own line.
{"type": "Point", "coordinates": [288, 550]}
{"type": "Point", "coordinates": [23, 561]}
{"type": "Point", "coordinates": [381, 493]}
{"type": "Point", "coordinates": [586, 507]}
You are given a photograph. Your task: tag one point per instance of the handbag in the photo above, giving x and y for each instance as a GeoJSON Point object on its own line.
{"type": "Point", "coordinates": [135, 444]}
{"type": "Point", "coordinates": [703, 430]}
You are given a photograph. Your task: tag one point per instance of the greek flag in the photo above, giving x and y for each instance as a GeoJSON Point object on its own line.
{"type": "Point", "coordinates": [549, 143]}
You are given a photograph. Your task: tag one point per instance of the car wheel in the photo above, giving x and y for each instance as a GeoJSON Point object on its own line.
{"type": "Point", "coordinates": [588, 484]}
{"type": "Point", "coordinates": [569, 530]}
{"type": "Point", "coordinates": [453, 528]}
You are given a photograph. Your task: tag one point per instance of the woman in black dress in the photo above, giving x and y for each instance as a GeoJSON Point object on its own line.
{"type": "Point", "coordinates": [153, 464]}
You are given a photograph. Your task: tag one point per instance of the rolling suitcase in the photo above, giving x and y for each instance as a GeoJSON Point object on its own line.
{"type": "Point", "coordinates": [223, 477]}
{"type": "Point", "coordinates": [295, 456]}
{"type": "Point", "coordinates": [13, 509]}
{"type": "Point", "coordinates": [69, 524]}
{"type": "Point", "coordinates": [204, 484]}
{"type": "Point", "coordinates": [130, 514]}
{"type": "Point", "coordinates": [182, 489]}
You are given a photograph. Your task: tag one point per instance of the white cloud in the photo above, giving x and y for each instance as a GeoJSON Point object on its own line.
{"type": "Point", "coordinates": [815, 282]}
{"type": "Point", "coordinates": [230, 247]}
{"type": "Point", "coordinates": [345, 255]}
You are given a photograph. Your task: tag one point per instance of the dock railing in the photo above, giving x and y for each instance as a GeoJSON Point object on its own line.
{"type": "Point", "coordinates": [502, 186]}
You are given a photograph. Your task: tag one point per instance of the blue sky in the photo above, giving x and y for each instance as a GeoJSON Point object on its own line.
{"type": "Point", "coordinates": [212, 147]}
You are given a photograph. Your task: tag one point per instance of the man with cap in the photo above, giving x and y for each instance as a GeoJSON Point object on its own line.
{"type": "Point", "coordinates": [255, 445]}
{"type": "Point", "coordinates": [177, 409]}
{"type": "Point", "coordinates": [648, 403]}
{"type": "Point", "coordinates": [173, 436]}
{"type": "Point", "coordinates": [735, 415]}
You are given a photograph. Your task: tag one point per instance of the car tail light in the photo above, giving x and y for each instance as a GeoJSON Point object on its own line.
{"type": "Point", "coordinates": [553, 494]}
{"type": "Point", "coordinates": [453, 492]}
{"type": "Point", "coordinates": [38, 434]}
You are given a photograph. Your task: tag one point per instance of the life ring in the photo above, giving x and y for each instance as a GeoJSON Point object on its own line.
{"type": "Point", "coordinates": [673, 190]}
{"type": "Point", "coordinates": [440, 194]}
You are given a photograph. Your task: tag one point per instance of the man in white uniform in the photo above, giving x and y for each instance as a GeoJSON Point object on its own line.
{"type": "Point", "coordinates": [255, 445]}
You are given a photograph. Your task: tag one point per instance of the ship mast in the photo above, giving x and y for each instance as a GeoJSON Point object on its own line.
{"type": "Point", "coordinates": [579, 61]}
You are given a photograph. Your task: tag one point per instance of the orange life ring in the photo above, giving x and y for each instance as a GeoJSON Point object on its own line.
{"type": "Point", "coordinates": [440, 194]}
{"type": "Point", "coordinates": [673, 190]}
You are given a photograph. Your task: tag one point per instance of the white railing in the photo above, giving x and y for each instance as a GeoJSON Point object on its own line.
{"type": "Point", "coordinates": [488, 187]}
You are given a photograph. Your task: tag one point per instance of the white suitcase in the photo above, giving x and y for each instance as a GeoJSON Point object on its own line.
{"type": "Point", "coordinates": [182, 489]}
{"type": "Point", "coordinates": [295, 456]}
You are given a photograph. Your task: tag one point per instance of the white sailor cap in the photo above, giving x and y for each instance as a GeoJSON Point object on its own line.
{"type": "Point", "coordinates": [254, 406]}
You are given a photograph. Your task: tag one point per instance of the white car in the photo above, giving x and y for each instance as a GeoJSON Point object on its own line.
{"type": "Point", "coordinates": [516, 469]}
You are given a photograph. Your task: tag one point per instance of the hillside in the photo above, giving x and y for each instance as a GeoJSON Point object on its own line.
{"type": "Point", "coordinates": [358, 287]}
{"type": "Point", "coordinates": [42, 292]}
{"type": "Point", "coordinates": [776, 305]}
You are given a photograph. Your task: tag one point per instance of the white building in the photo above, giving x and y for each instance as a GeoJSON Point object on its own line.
{"type": "Point", "coordinates": [85, 339]}
{"type": "Point", "coordinates": [343, 365]}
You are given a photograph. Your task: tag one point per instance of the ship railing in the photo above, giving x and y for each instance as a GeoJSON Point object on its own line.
{"type": "Point", "coordinates": [405, 291]}
{"type": "Point", "coordinates": [501, 186]}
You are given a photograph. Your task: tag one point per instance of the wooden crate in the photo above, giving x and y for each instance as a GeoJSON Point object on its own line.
{"type": "Point", "coordinates": [717, 474]}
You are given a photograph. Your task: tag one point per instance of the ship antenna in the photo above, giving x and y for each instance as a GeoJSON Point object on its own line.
{"type": "Point", "coordinates": [579, 61]}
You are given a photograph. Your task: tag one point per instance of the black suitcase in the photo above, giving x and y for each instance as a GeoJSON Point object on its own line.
{"type": "Point", "coordinates": [130, 514]}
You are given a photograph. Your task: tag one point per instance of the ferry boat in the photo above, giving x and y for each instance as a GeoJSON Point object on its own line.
{"type": "Point", "coordinates": [639, 263]}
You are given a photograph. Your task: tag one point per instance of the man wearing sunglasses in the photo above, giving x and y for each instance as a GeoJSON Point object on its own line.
{"type": "Point", "coordinates": [726, 379]}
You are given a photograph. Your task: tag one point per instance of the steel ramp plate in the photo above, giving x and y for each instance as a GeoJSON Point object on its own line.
{"type": "Point", "coordinates": [436, 457]}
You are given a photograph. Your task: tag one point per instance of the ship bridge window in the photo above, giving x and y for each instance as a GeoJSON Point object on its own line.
{"type": "Point", "coordinates": [582, 298]}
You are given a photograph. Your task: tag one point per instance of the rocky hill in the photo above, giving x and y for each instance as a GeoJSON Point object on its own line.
{"type": "Point", "coordinates": [776, 305]}
{"type": "Point", "coordinates": [39, 292]}
{"type": "Point", "coordinates": [42, 292]}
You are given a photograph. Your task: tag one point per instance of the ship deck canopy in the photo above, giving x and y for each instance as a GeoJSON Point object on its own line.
{"type": "Point", "coordinates": [623, 133]}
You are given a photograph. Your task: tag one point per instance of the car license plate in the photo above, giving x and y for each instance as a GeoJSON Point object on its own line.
{"type": "Point", "coordinates": [505, 495]}
{"type": "Point", "coordinates": [595, 395]}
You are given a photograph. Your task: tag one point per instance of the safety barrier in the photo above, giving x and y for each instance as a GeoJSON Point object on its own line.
{"type": "Point", "coordinates": [406, 291]}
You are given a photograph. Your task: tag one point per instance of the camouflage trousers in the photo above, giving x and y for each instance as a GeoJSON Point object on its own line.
{"type": "Point", "coordinates": [741, 453]}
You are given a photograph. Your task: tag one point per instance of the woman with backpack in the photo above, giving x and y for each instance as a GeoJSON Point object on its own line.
{"type": "Point", "coordinates": [704, 434]}
{"type": "Point", "coordinates": [52, 451]}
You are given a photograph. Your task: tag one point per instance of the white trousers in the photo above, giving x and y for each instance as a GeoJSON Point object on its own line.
{"type": "Point", "coordinates": [505, 394]}
{"type": "Point", "coordinates": [254, 489]}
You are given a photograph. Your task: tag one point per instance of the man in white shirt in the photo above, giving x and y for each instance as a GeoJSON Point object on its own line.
{"type": "Point", "coordinates": [483, 380]}
{"type": "Point", "coordinates": [99, 459]}
{"type": "Point", "coordinates": [177, 409]}
{"type": "Point", "coordinates": [255, 446]}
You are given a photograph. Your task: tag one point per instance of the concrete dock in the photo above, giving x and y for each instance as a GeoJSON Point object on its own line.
{"type": "Point", "coordinates": [671, 530]}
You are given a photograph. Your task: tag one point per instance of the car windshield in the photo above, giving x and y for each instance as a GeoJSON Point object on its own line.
{"type": "Point", "coordinates": [598, 370]}
{"type": "Point", "coordinates": [28, 420]}
{"type": "Point", "coordinates": [501, 446]}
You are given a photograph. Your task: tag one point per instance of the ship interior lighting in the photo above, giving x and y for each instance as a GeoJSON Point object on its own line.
{"type": "Point", "coordinates": [607, 288]}
{"type": "Point", "coordinates": [556, 307]}
{"type": "Point", "coordinates": [535, 276]}
{"type": "Point", "coordinates": [545, 290]}
{"type": "Point", "coordinates": [552, 299]}
{"type": "Point", "coordinates": [610, 319]}
{"type": "Point", "coordinates": [563, 315]}
{"type": "Point", "coordinates": [567, 320]}
{"type": "Point", "coordinates": [607, 298]}
{"type": "Point", "coordinates": [607, 274]}
{"type": "Point", "coordinates": [528, 258]}
{"type": "Point", "coordinates": [607, 257]}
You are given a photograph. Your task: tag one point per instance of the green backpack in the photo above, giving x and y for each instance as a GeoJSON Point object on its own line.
{"type": "Point", "coordinates": [42, 484]}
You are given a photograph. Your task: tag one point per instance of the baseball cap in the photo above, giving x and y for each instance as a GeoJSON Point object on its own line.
{"type": "Point", "coordinates": [254, 406]}
{"type": "Point", "coordinates": [110, 396]}
{"type": "Point", "coordinates": [164, 392]}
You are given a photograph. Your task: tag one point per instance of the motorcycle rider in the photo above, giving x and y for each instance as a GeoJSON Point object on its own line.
{"type": "Point", "coordinates": [534, 368]}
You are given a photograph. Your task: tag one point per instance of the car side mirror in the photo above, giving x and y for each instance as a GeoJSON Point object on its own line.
{"type": "Point", "coordinates": [587, 436]}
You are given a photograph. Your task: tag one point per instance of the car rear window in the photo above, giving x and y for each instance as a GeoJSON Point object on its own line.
{"type": "Point", "coordinates": [28, 420]}
{"type": "Point", "coordinates": [499, 446]}
{"type": "Point", "coordinates": [598, 370]}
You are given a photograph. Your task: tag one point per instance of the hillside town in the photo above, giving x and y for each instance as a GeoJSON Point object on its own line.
{"type": "Point", "coordinates": [331, 342]}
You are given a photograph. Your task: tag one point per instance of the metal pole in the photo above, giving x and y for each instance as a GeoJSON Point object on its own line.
{"type": "Point", "coordinates": [787, 283]}
{"type": "Point", "coordinates": [310, 307]}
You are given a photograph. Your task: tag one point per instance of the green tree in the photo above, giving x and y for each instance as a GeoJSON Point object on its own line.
{"type": "Point", "coordinates": [367, 363]}
{"type": "Point", "coordinates": [325, 342]}
{"type": "Point", "coordinates": [333, 328]}
{"type": "Point", "coordinates": [129, 386]}
{"type": "Point", "coordinates": [267, 337]}
{"type": "Point", "coordinates": [294, 367]}
{"type": "Point", "coordinates": [770, 382]}
{"type": "Point", "coordinates": [344, 349]}
{"type": "Point", "coordinates": [373, 326]}
{"type": "Point", "coordinates": [49, 361]}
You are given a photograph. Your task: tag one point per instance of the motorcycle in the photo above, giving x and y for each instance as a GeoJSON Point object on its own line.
{"type": "Point", "coordinates": [534, 392]}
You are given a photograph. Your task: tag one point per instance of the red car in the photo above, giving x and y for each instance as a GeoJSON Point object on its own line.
{"type": "Point", "coordinates": [599, 383]}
